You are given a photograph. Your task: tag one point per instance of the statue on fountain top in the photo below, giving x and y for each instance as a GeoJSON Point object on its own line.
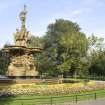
{"type": "Point", "coordinates": [21, 36]}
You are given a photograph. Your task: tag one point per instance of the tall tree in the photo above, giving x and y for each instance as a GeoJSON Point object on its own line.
{"type": "Point", "coordinates": [96, 55]}
{"type": "Point", "coordinates": [65, 46]}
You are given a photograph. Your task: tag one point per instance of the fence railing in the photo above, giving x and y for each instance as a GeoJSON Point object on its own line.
{"type": "Point", "coordinates": [47, 100]}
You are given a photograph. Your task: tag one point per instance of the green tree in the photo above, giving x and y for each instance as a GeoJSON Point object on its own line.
{"type": "Point", "coordinates": [97, 55]}
{"type": "Point", "coordinates": [4, 62]}
{"type": "Point", "coordinates": [66, 47]}
{"type": "Point", "coordinates": [35, 41]}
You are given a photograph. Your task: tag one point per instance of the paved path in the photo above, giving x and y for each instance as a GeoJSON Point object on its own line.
{"type": "Point", "coordinates": [89, 102]}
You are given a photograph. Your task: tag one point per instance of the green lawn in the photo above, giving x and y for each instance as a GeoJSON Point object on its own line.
{"type": "Point", "coordinates": [41, 100]}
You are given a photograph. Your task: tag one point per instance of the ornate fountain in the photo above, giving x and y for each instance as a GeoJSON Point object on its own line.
{"type": "Point", "coordinates": [22, 61]}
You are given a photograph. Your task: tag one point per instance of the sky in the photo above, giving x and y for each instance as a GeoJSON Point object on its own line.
{"type": "Point", "coordinates": [89, 14]}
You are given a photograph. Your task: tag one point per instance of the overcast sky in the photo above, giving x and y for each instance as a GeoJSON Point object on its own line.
{"type": "Point", "coordinates": [89, 14]}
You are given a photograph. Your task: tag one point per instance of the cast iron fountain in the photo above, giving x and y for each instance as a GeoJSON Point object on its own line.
{"type": "Point", "coordinates": [22, 62]}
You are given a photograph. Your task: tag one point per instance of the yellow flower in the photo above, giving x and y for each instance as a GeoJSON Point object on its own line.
{"type": "Point", "coordinates": [91, 83]}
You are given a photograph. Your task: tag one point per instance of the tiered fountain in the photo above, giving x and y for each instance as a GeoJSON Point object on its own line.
{"type": "Point", "coordinates": [22, 62]}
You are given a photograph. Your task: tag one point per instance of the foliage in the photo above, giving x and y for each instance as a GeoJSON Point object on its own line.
{"type": "Point", "coordinates": [97, 56]}
{"type": "Point", "coordinates": [67, 50]}
{"type": "Point", "coordinates": [35, 41]}
{"type": "Point", "coordinates": [98, 63]}
{"type": "Point", "coordinates": [65, 47]}
{"type": "Point", "coordinates": [4, 61]}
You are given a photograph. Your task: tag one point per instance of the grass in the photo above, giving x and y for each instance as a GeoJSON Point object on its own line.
{"type": "Point", "coordinates": [41, 100]}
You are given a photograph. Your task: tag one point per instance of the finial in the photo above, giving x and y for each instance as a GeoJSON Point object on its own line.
{"type": "Point", "coordinates": [23, 16]}
{"type": "Point", "coordinates": [25, 7]}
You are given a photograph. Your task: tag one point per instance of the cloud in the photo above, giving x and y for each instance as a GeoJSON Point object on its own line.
{"type": "Point", "coordinates": [94, 3]}
{"type": "Point", "coordinates": [88, 2]}
{"type": "Point", "coordinates": [80, 11]}
{"type": "Point", "coordinates": [87, 6]}
{"type": "Point", "coordinates": [77, 12]}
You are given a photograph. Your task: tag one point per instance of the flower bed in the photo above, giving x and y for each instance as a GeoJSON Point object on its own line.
{"type": "Point", "coordinates": [56, 89]}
